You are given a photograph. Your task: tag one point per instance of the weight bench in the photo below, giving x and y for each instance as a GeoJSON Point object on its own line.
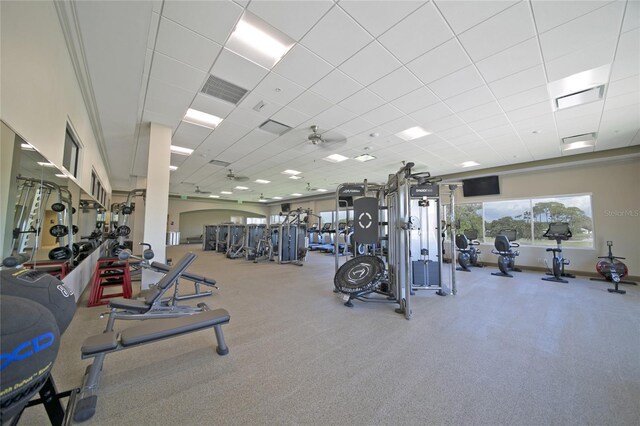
{"type": "Point", "coordinates": [100, 345]}
{"type": "Point", "coordinates": [196, 279]}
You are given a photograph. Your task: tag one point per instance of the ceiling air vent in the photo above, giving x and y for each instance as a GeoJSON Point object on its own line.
{"type": "Point", "coordinates": [222, 89]}
{"type": "Point", "coordinates": [219, 163]}
{"type": "Point", "coordinates": [274, 127]}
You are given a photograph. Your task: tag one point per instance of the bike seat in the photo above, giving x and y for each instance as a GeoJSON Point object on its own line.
{"type": "Point", "coordinates": [554, 250]}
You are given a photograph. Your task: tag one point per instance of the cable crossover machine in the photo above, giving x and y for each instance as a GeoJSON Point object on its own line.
{"type": "Point", "coordinates": [396, 240]}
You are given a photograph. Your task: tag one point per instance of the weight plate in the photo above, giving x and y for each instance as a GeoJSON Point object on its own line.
{"type": "Point", "coordinates": [57, 207]}
{"type": "Point", "coordinates": [74, 229]}
{"type": "Point", "coordinates": [359, 274]}
{"type": "Point", "coordinates": [123, 231]}
{"type": "Point", "coordinates": [58, 231]}
{"type": "Point", "coordinates": [127, 210]}
{"type": "Point", "coordinates": [60, 253]}
{"type": "Point", "coordinates": [73, 210]}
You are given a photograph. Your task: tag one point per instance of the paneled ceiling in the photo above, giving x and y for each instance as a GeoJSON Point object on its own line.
{"type": "Point", "coordinates": [478, 75]}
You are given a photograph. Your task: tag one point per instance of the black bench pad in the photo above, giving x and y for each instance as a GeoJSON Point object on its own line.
{"type": "Point", "coordinates": [99, 343]}
{"type": "Point", "coordinates": [157, 329]}
{"type": "Point", "coordinates": [129, 304]}
{"type": "Point", "coordinates": [188, 275]}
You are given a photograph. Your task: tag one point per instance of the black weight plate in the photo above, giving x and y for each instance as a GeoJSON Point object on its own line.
{"type": "Point", "coordinates": [99, 224]}
{"type": "Point", "coordinates": [74, 229]}
{"type": "Point", "coordinates": [60, 253]}
{"type": "Point", "coordinates": [123, 231]}
{"type": "Point", "coordinates": [73, 210]}
{"type": "Point", "coordinates": [127, 210]}
{"type": "Point", "coordinates": [58, 231]}
{"type": "Point", "coordinates": [57, 207]}
{"type": "Point", "coordinates": [359, 274]}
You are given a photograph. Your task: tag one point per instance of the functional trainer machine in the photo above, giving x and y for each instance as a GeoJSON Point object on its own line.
{"type": "Point", "coordinates": [560, 232]}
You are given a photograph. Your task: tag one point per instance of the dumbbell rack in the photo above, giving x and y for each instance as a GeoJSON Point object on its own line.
{"type": "Point", "coordinates": [110, 272]}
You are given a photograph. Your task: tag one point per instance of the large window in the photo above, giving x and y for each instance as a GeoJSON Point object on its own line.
{"type": "Point", "coordinates": [530, 218]}
{"type": "Point", "coordinates": [256, 221]}
{"type": "Point", "coordinates": [71, 153]}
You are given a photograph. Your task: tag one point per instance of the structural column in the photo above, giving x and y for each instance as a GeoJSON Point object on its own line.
{"type": "Point", "coordinates": [157, 198]}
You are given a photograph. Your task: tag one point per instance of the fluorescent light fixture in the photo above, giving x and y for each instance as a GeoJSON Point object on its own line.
{"type": "Point", "coordinates": [295, 177]}
{"type": "Point", "coordinates": [173, 168]}
{"type": "Point", "coordinates": [226, 192]}
{"type": "Point", "coordinates": [291, 172]}
{"type": "Point", "coordinates": [469, 164]}
{"type": "Point", "coordinates": [180, 150]}
{"type": "Point", "coordinates": [295, 194]}
{"type": "Point", "coordinates": [259, 42]}
{"type": "Point", "coordinates": [577, 145]}
{"type": "Point", "coordinates": [200, 118]}
{"type": "Point", "coordinates": [322, 190]}
{"type": "Point", "coordinates": [214, 196]}
{"type": "Point", "coordinates": [580, 88]}
{"type": "Point", "coordinates": [571, 143]}
{"type": "Point", "coordinates": [262, 181]}
{"type": "Point", "coordinates": [242, 188]}
{"type": "Point", "coordinates": [60, 175]}
{"type": "Point", "coordinates": [46, 164]}
{"type": "Point", "coordinates": [335, 158]}
{"type": "Point", "coordinates": [579, 98]}
{"type": "Point", "coordinates": [277, 198]}
{"type": "Point", "coordinates": [27, 147]}
{"type": "Point", "coordinates": [412, 133]}
{"type": "Point", "coordinates": [364, 157]}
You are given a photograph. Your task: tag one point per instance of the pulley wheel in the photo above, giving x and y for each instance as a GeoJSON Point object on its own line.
{"type": "Point", "coordinates": [58, 231]}
{"type": "Point", "coordinates": [359, 274]}
{"type": "Point", "coordinates": [57, 207]}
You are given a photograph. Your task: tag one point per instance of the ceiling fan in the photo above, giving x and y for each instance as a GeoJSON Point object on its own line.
{"type": "Point", "coordinates": [318, 138]}
{"type": "Point", "coordinates": [198, 191]}
{"type": "Point", "coordinates": [309, 188]}
{"type": "Point", "coordinates": [232, 176]}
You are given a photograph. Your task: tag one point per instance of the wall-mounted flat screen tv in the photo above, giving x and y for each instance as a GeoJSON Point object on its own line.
{"type": "Point", "coordinates": [488, 185]}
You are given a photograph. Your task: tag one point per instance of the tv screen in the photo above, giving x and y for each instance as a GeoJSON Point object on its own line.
{"type": "Point", "coordinates": [489, 185]}
{"type": "Point", "coordinates": [285, 207]}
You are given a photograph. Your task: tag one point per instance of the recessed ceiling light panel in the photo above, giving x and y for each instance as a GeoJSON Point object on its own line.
{"type": "Point", "coordinates": [571, 143]}
{"type": "Point", "coordinates": [469, 164]}
{"type": "Point", "coordinates": [277, 198]}
{"type": "Point", "coordinates": [335, 158]}
{"type": "Point", "coordinates": [262, 181]}
{"type": "Point", "coordinates": [291, 172]}
{"type": "Point", "coordinates": [173, 168]}
{"type": "Point", "coordinates": [27, 147]}
{"type": "Point", "coordinates": [412, 133]}
{"type": "Point", "coordinates": [579, 88]}
{"type": "Point", "coordinates": [364, 157]}
{"type": "Point", "coordinates": [295, 194]}
{"type": "Point", "coordinates": [214, 196]}
{"type": "Point", "coordinates": [295, 177]}
{"type": "Point", "coordinates": [322, 190]}
{"type": "Point", "coordinates": [242, 188]}
{"type": "Point", "coordinates": [200, 118]}
{"type": "Point", "coordinates": [226, 192]}
{"type": "Point", "coordinates": [181, 150]}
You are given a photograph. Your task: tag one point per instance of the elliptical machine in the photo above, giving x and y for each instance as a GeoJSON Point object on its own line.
{"type": "Point", "coordinates": [612, 270]}
{"type": "Point", "coordinates": [467, 252]}
{"type": "Point", "coordinates": [503, 244]}
{"type": "Point", "coordinates": [558, 231]}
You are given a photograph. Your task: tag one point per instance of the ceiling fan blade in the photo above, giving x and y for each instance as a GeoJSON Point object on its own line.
{"type": "Point", "coordinates": [241, 178]}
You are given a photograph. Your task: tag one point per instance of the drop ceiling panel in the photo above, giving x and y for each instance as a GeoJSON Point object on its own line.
{"type": "Point", "coordinates": [379, 15]}
{"type": "Point", "coordinates": [336, 37]}
{"type": "Point", "coordinates": [211, 105]}
{"type": "Point", "coordinates": [627, 56]}
{"type": "Point", "coordinates": [590, 57]}
{"type": "Point", "coordinates": [303, 67]}
{"type": "Point", "coordinates": [400, 124]}
{"type": "Point", "coordinates": [456, 83]}
{"type": "Point", "coordinates": [176, 73]}
{"type": "Point", "coordinates": [333, 117]}
{"type": "Point", "coordinates": [370, 64]}
{"type": "Point", "coordinates": [189, 139]}
{"type": "Point", "coordinates": [593, 108]}
{"type": "Point", "coordinates": [289, 116]}
{"type": "Point", "coordinates": [462, 15]}
{"type": "Point", "coordinates": [310, 104]}
{"type": "Point", "coordinates": [292, 18]}
{"type": "Point", "coordinates": [507, 28]}
{"type": "Point", "coordinates": [336, 86]}
{"type": "Point", "coordinates": [214, 20]}
{"type": "Point", "coordinates": [545, 124]}
{"type": "Point", "coordinates": [417, 99]}
{"type": "Point", "coordinates": [237, 70]}
{"type": "Point", "coordinates": [186, 46]}
{"type": "Point", "coordinates": [279, 89]}
{"type": "Point", "coordinates": [490, 123]}
{"type": "Point", "coordinates": [481, 112]}
{"type": "Point", "coordinates": [578, 126]}
{"type": "Point", "coordinates": [631, 16]}
{"type": "Point", "coordinates": [253, 101]}
{"type": "Point", "coordinates": [456, 132]}
{"type": "Point", "coordinates": [628, 100]}
{"type": "Point", "coordinates": [541, 108]}
{"type": "Point", "coordinates": [439, 62]}
{"type": "Point", "coordinates": [601, 24]}
{"type": "Point", "coordinates": [445, 123]}
{"type": "Point", "coordinates": [164, 118]}
{"type": "Point", "coordinates": [427, 115]}
{"type": "Point", "coordinates": [425, 28]}
{"type": "Point", "coordinates": [510, 61]}
{"type": "Point", "coordinates": [382, 114]}
{"type": "Point", "coordinates": [550, 14]}
{"type": "Point", "coordinates": [161, 95]}
{"type": "Point", "coordinates": [153, 30]}
{"type": "Point", "coordinates": [395, 84]}
{"type": "Point", "coordinates": [470, 99]}
{"type": "Point", "coordinates": [526, 98]}
{"type": "Point", "coordinates": [362, 101]}
{"type": "Point", "coordinates": [246, 117]}
{"type": "Point", "coordinates": [519, 82]}
{"type": "Point", "coordinates": [627, 85]}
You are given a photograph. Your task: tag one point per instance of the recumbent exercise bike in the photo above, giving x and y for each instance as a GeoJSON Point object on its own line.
{"type": "Point", "coordinates": [467, 251]}
{"type": "Point", "coordinates": [504, 242]}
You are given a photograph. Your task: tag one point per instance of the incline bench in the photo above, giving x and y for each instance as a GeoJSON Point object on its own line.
{"type": "Point", "coordinates": [150, 331]}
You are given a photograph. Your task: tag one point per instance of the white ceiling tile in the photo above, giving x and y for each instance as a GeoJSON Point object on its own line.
{"type": "Point", "coordinates": [601, 24]}
{"type": "Point", "coordinates": [237, 70]}
{"type": "Point", "coordinates": [629, 100]}
{"type": "Point", "coordinates": [514, 59]}
{"type": "Point", "coordinates": [400, 124]}
{"type": "Point", "coordinates": [246, 117]}
{"type": "Point", "coordinates": [379, 15]}
{"type": "Point", "coordinates": [165, 118]}
{"type": "Point", "coordinates": [445, 123]}
{"type": "Point", "coordinates": [370, 64]}
{"type": "Point", "coordinates": [310, 104]}
{"type": "Point", "coordinates": [333, 117]}
{"type": "Point", "coordinates": [472, 98]}
{"type": "Point", "coordinates": [441, 61]}
{"type": "Point", "coordinates": [253, 99]}
{"type": "Point", "coordinates": [336, 37]}
{"type": "Point", "coordinates": [189, 136]}
{"type": "Point", "coordinates": [396, 84]}
{"type": "Point", "coordinates": [211, 105]}
{"type": "Point", "coordinates": [291, 17]}
{"type": "Point", "coordinates": [415, 100]}
{"type": "Point", "coordinates": [545, 124]}
{"type": "Point", "coordinates": [456, 132]}
{"type": "Point", "coordinates": [624, 86]}
{"type": "Point", "coordinates": [578, 126]}
{"type": "Point", "coordinates": [214, 19]}
{"type": "Point", "coordinates": [489, 123]}
{"type": "Point", "coordinates": [290, 117]}
{"type": "Point", "coordinates": [425, 28]}
{"type": "Point", "coordinates": [355, 127]}
{"type": "Point", "coordinates": [519, 82]}
{"type": "Point", "coordinates": [480, 112]}
{"type": "Point", "coordinates": [526, 98]}
{"type": "Point", "coordinates": [434, 112]}
{"type": "Point", "coordinates": [456, 83]}
{"type": "Point", "coordinates": [627, 56]}
{"type": "Point", "coordinates": [153, 30]}
{"type": "Point", "coordinates": [541, 108]}
{"type": "Point", "coordinates": [631, 16]}
{"type": "Point", "coordinates": [186, 46]}
{"type": "Point", "coordinates": [161, 94]}
{"type": "Point", "coordinates": [362, 102]}
{"type": "Point", "coordinates": [590, 109]}
{"type": "Point", "coordinates": [493, 132]}
{"type": "Point", "coordinates": [176, 73]}
{"type": "Point", "coordinates": [550, 14]}
{"type": "Point", "coordinates": [499, 32]}
{"type": "Point", "coordinates": [382, 114]}
{"type": "Point", "coordinates": [336, 86]}
{"type": "Point", "coordinates": [301, 66]}
{"type": "Point", "coordinates": [462, 15]}
{"type": "Point", "coordinates": [279, 89]}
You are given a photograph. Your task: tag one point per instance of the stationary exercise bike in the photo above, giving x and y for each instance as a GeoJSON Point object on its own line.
{"type": "Point", "coordinates": [612, 270]}
{"type": "Point", "coordinates": [467, 251]}
{"type": "Point", "coordinates": [558, 231]}
{"type": "Point", "coordinates": [504, 242]}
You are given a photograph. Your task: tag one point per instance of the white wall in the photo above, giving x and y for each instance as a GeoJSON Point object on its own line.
{"type": "Point", "coordinates": [178, 206]}
{"type": "Point", "coordinates": [192, 223]}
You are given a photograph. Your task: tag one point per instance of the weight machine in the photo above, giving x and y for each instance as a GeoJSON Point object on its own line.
{"type": "Point", "coordinates": [293, 242]}
{"type": "Point", "coordinates": [122, 230]}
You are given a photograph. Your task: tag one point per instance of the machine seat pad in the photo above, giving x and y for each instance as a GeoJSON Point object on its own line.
{"type": "Point", "coordinates": [99, 343]}
{"type": "Point", "coordinates": [157, 329]}
{"type": "Point", "coordinates": [129, 304]}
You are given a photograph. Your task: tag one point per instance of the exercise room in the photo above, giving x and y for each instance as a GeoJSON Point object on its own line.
{"type": "Point", "coordinates": [327, 212]}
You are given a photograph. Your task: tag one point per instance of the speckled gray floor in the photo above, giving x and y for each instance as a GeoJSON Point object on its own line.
{"type": "Point", "coordinates": [516, 351]}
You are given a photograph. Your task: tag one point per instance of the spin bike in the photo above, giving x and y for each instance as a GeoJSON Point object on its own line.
{"type": "Point", "coordinates": [467, 252]}
{"type": "Point", "coordinates": [612, 270]}
{"type": "Point", "coordinates": [558, 231]}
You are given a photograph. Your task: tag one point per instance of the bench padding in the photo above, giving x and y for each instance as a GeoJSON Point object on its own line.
{"type": "Point", "coordinates": [162, 328]}
{"type": "Point", "coordinates": [129, 304]}
{"type": "Point", "coordinates": [100, 343]}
